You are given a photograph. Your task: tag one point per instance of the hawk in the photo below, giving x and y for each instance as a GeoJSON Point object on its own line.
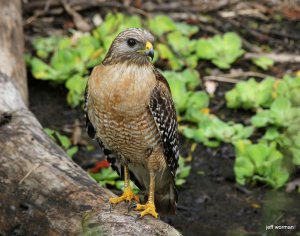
{"type": "Point", "coordinates": [130, 111]}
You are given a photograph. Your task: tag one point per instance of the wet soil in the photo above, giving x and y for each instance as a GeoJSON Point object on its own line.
{"type": "Point", "coordinates": [210, 202]}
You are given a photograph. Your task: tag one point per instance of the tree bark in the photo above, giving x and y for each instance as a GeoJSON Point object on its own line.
{"type": "Point", "coordinates": [42, 191]}
{"type": "Point", "coordinates": [12, 45]}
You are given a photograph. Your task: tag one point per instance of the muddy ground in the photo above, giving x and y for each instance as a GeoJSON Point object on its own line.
{"type": "Point", "coordinates": [210, 202]}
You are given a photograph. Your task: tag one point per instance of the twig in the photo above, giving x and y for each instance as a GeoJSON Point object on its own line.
{"type": "Point", "coordinates": [221, 79]}
{"type": "Point", "coordinates": [80, 23]}
{"type": "Point", "coordinates": [281, 58]}
{"type": "Point", "coordinates": [243, 12]}
{"type": "Point", "coordinates": [47, 5]}
{"type": "Point", "coordinates": [232, 77]}
{"type": "Point", "coordinates": [246, 74]}
{"type": "Point", "coordinates": [294, 36]}
{"type": "Point", "coordinates": [29, 172]}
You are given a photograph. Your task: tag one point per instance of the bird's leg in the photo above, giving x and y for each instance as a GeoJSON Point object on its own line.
{"type": "Point", "coordinates": [149, 207]}
{"type": "Point", "coordinates": [128, 194]}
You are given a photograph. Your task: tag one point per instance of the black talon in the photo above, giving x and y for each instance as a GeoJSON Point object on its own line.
{"type": "Point", "coordinates": [110, 207]}
{"type": "Point", "coordinates": [131, 207]}
{"type": "Point", "coordinates": [137, 217]}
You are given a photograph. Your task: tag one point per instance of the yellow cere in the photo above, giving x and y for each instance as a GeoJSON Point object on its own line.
{"type": "Point", "coordinates": [149, 45]}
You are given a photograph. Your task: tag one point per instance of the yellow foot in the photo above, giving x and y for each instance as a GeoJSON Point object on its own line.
{"type": "Point", "coordinates": [127, 195]}
{"type": "Point", "coordinates": [147, 209]}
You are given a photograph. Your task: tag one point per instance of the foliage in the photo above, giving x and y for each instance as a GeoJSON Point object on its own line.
{"type": "Point", "coordinates": [69, 61]}
{"type": "Point", "coordinates": [211, 131]}
{"type": "Point", "coordinates": [192, 107]}
{"type": "Point", "coordinates": [222, 51]}
{"type": "Point", "coordinates": [107, 176]}
{"type": "Point", "coordinates": [183, 172]}
{"type": "Point", "coordinates": [182, 86]}
{"type": "Point", "coordinates": [283, 127]}
{"type": "Point", "coordinates": [252, 95]}
{"type": "Point", "coordinates": [165, 23]}
{"type": "Point", "coordinates": [259, 162]}
{"type": "Point", "coordinates": [263, 62]}
{"type": "Point", "coordinates": [63, 141]}
{"type": "Point", "coordinates": [281, 119]}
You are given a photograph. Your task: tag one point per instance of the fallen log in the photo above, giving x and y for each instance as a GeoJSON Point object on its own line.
{"type": "Point", "coordinates": [42, 191]}
{"type": "Point", "coordinates": [12, 45]}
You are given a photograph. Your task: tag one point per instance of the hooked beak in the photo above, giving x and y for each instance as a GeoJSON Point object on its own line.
{"type": "Point", "coordinates": [149, 50]}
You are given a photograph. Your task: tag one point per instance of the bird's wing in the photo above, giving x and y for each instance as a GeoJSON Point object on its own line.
{"type": "Point", "coordinates": [164, 113]}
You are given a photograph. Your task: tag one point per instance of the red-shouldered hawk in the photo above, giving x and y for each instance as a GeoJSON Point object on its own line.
{"type": "Point", "coordinates": [129, 109]}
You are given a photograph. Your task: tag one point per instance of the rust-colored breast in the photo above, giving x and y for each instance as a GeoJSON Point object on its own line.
{"type": "Point", "coordinates": [118, 105]}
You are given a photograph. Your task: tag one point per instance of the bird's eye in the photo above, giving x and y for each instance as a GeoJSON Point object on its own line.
{"type": "Point", "coordinates": [131, 42]}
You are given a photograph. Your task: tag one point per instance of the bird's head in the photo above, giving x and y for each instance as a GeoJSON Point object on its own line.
{"type": "Point", "coordinates": [133, 45]}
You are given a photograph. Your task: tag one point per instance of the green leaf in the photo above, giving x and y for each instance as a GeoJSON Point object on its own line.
{"type": "Point", "coordinates": [64, 141]}
{"type": "Point", "coordinates": [295, 156]}
{"type": "Point", "coordinates": [186, 29]}
{"type": "Point", "coordinates": [205, 49]}
{"type": "Point", "coordinates": [263, 62]}
{"type": "Point", "coordinates": [178, 89]}
{"type": "Point", "coordinates": [180, 43]}
{"type": "Point", "coordinates": [45, 46]}
{"type": "Point", "coordinates": [182, 172]}
{"type": "Point", "coordinates": [241, 147]}
{"type": "Point", "coordinates": [221, 63]}
{"type": "Point", "coordinates": [72, 151]}
{"type": "Point", "coordinates": [161, 24]}
{"type": "Point", "coordinates": [180, 182]}
{"type": "Point", "coordinates": [63, 43]}
{"type": "Point", "coordinates": [232, 99]}
{"type": "Point", "coordinates": [251, 94]}
{"type": "Point", "coordinates": [222, 51]}
{"type": "Point", "coordinates": [86, 46]}
{"type": "Point", "coordinates": [191, 61]}
{"type": "Point", "coordinates": [166, 53]}
{"type": "Point", "coordinates": [264, 92]}
{"type": "Point", "coordinates": [258, 154]}
{"type": "Point", "coordinates": [50, 133]}
{"type": "Point", "coordinates": [280, 177]}
{"type": "Point", "coordinates": [232, 42]}
{"type": "Point", "coordinates": [191, 77]}
{"type": "Point", "coordinates": [66, 61]}
{"type": "Point", "coordinates": [241, 132]}
{"type": "Point", "coordinates": [271, 134]}
{"type": "Point", "coordinates": [198, 100]}
{"type": "Point", "coordinates": [280, 110]}
{"type": "Point", "coordinates": [109, 26]}
{"type": "Point", "coordinates": [40, 70]}
{"type": "Point", "coordinates": [260, 162]}
{"type": "Point", "coordinates": [76, 86]}
{"type": "Point", "coordinates": [243, 169]}
{"type": "Point", "coordinates": [261, 119]}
